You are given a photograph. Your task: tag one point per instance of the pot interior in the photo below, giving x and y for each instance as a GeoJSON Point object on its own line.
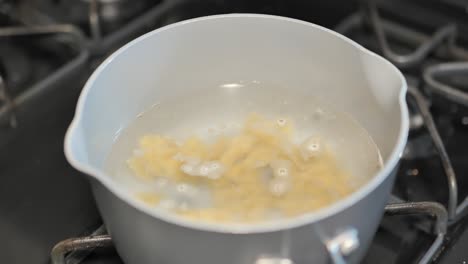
{"type": "Point", "coordinates": [218, 65]}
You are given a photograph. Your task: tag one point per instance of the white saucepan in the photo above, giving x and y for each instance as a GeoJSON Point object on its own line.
{"type": "Point", "coordinates": [179, 59]}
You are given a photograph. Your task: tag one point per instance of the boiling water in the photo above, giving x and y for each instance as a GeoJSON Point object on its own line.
{"type": "Point", "coordinates": [221, 110]}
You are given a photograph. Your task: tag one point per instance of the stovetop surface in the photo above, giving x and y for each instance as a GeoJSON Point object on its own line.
{"type": "Point", "coordinates": [43, 200]}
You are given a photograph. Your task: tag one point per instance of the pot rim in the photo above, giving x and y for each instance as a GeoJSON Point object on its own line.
{"type": "Point", "coordinates": [261, 227]}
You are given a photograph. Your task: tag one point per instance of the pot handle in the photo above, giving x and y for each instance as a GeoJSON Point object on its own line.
{"type": "Point", "coordinates": [342, 245]}
{"type": "Point", "coordinates": [339, 247]}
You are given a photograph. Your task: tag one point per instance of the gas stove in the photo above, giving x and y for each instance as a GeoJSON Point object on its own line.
{"type": "Point", "coordinates": [49, 48]}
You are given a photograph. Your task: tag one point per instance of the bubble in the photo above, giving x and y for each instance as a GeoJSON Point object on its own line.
{"type": "Point", "coordinates": [204, 170]}
{"type": "Point", "coordinates": [186, 192]}
{"type": "Point", "coordinates": [281, 168]}
{"type": "Point", "coordinates": [215, 169]}
{"type": "Point", "coordinates": [311, 147]}
{"type": "Point", "coordinates": [209, 169]}
{"type": "Point", "coordinates": [182, 188]}
{"type": "Point", "coordinates": [190, 165]}
{"type": "Point", "coordinates": [281, 122]}
{"type": "Point", "coordinates": [278, 187]}
{"type": "Point", "coordinates": [187, 169]}
{"type": "Point", "coordinates": [314, 147]}
{"type": "Point", "coordinates": [282, 172]}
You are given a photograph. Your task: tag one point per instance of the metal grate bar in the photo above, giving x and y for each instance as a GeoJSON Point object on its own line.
{"type": "Point", "coordinates": [8, 110]}
{"type": "Point", "coordinates": [416, 57]}
{"type": "Point", "coordinates": [429, 208]}
{"type": "Point", "coordinates": [449, 92]}
{"type": "Point", "coordinates": [75, 250]}
{"type": "Point", "coordinates": [94, 20]}
{"type": "Point", "coordinates": [439, 145]}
